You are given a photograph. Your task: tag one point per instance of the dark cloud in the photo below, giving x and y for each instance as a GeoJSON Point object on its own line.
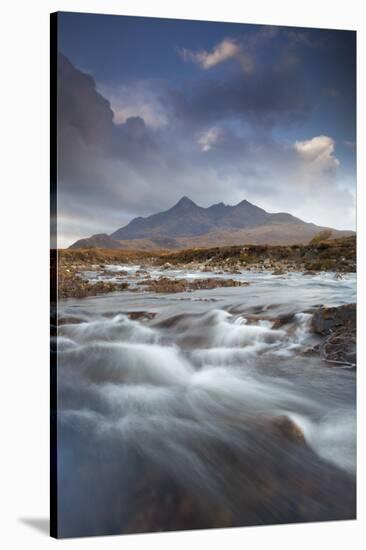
{"type": "Point", "coordinates": [99, 162]}
{"type": "Point", "coordinates": [273, 91]}
{"type": "Point", "coordinates": [264, 97]}
{"type": "Point", "coordinates": [80, 107]}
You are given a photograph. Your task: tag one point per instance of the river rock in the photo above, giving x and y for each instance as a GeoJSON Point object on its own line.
{"type": "Point", "coordinates": [279, 271]}
{"type": "Point", "coordinates": [326, 319]}
{"type": "Point", "coordinates": [167, 285]}
{"type": "Point", "coordinates": [337, 326]}
{"type": "Point", "coordinates": [284, 319]}
{"type": "Point", "coordinates": [141, 315]}
{"type": "Point", "coordinates": [289, 429]}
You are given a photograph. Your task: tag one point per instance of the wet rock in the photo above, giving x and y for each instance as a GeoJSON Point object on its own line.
{"type": "Point", "coordinates": [167, 285]}
{"type": "Point", "coordinates": [326, 319]}
{"type": "Point", "coordinates": [310, 350]}
{"type": "Point", "coordinates": [289, 429]}
{"type": "Point", "coordinates": [141, 315]}
{"type": "Point", "coordinates": [71, 285]}
{"type": "Point", "coordinates": [69, 321]}
{"type": "Point", "coordinates": [282, 320]}
{"type": "Point", "coordinates": [337, 327]}
{"type": "Point", "coordinates": [340, 348]}
{"type": "Point", "coordinates": [164, 284]}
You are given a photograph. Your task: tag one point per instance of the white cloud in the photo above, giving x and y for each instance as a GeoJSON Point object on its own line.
{"type": "Point", "coordinates": [223, 51]}
{"type": "Point", "coordinates": [151, 117]}
{"type": "Point", "coordinates": [208, 138]}
{"type": "Point", "coordinates": [318, 152]}
{"type": "Point", "coordinates": [134, 100]}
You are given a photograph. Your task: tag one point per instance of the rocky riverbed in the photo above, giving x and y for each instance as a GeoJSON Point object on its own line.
{"type": "Point", "coordinates": [337, 257]}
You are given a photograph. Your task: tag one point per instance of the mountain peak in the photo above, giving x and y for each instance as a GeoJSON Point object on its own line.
{"type": "Point", "coordinates": [243, 202]}
{"type": "Point", "coordinates": [249, 207]}
{"type": "Point", "coordinates": [185, 201]}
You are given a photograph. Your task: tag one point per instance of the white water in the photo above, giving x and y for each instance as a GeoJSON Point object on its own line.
{"type": "Point", "coordinates": [208, 371]}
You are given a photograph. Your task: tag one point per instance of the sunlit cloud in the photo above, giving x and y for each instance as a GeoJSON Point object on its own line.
{"type": "Point", "coordinates": [227, 49]}
{"type": "Point", "coordinates": [318, 152]}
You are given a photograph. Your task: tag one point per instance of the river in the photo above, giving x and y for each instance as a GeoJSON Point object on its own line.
{"type": "Point", "coordinates": [171, 407]}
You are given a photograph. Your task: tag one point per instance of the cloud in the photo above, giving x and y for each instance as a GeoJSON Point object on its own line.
{"type": "Point", "coordinates": [268, 88]}
{"type": "Point", "coordinates": [263, 98]}
{"type": "Point", "coordinates": [102, 166]}
{"type": "Point", "coordinates": [208, 138]}
{"type": "Point", "coordinates": [227, 49]}
{"type": "Point", "coordinates": [111, 172]}
{"type": "Point", "coordinates": [318, 152]}
{"type": "Point", "coordinates": [91, 117]}
{"type": "Point", "coordinates": [246, 51]}
{"type": "Point", "coordinates": [323, 194]}
{"type": "Point", "coordinates": [137, 99]}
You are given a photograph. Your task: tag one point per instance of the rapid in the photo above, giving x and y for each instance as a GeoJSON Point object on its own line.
{"type": "Point", "coordinates": [202, 409]}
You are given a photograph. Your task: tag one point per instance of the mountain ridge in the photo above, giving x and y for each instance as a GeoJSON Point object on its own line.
{"type": "Point", "coordinates": [186, 224]}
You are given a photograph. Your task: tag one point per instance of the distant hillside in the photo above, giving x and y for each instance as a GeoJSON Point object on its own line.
{"type": "Point", "coordinates": [102, 240]}
{"type": "Point", "coordinates": [188, 225]}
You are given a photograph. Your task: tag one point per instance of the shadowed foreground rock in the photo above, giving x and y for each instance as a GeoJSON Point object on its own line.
{"type": "Point", "coordinates": [337, 326]}
{"type": "Point", "coordinates": [281, 481]}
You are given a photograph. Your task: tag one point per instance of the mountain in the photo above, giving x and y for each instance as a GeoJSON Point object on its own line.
{"type": "Point", "coordinates": [187, 219]}
{"type": "Point", "coordinates": [101, 240]}
{"type": "Point", "coordinates": [188, 225]}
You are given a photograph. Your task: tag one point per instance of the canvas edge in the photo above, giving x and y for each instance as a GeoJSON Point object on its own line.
{"type": "Point", "coordinates": [53, 276]}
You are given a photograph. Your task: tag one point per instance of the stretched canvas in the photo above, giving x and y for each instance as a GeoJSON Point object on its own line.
{"type": "Point", "coordinates": [203, 275]}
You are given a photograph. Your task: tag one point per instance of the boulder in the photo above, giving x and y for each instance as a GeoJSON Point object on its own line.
{"type": "Point", "coordinates": [337, 327]}
{"type": "Point", "coordinates": [289, 429]}
{"type": "Point", "coordinates": [326, 319]}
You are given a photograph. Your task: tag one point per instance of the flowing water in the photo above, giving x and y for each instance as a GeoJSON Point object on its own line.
{"type": "Point", "coordinates": [169, 407]}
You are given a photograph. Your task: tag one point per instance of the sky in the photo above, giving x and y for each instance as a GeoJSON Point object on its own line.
{"type": "Point", "coordinates": [150, 110]}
